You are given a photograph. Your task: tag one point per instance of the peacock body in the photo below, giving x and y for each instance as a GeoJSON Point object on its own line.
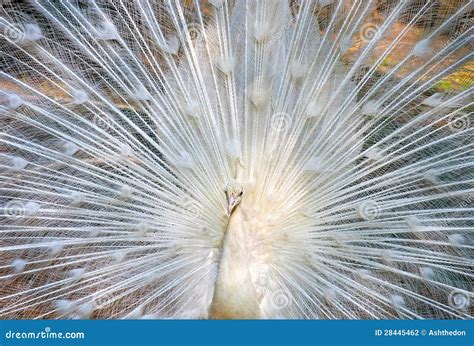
{"type": "Point", "coordinates": [236, 159]}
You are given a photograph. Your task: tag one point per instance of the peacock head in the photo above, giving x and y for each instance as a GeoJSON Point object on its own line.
{"type": "Point", "coordinates": [233, 191]}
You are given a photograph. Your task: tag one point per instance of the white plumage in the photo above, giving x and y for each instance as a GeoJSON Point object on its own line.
{"type": "Point", "coordinates": [346, 125]}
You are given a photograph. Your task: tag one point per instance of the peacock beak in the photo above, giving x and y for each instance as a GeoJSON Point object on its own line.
{"type": "Point", "coordinates": [231, 203]}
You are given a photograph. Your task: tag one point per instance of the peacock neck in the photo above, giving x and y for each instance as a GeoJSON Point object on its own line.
{"type": "Point", "coordinates": [235, 296]}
